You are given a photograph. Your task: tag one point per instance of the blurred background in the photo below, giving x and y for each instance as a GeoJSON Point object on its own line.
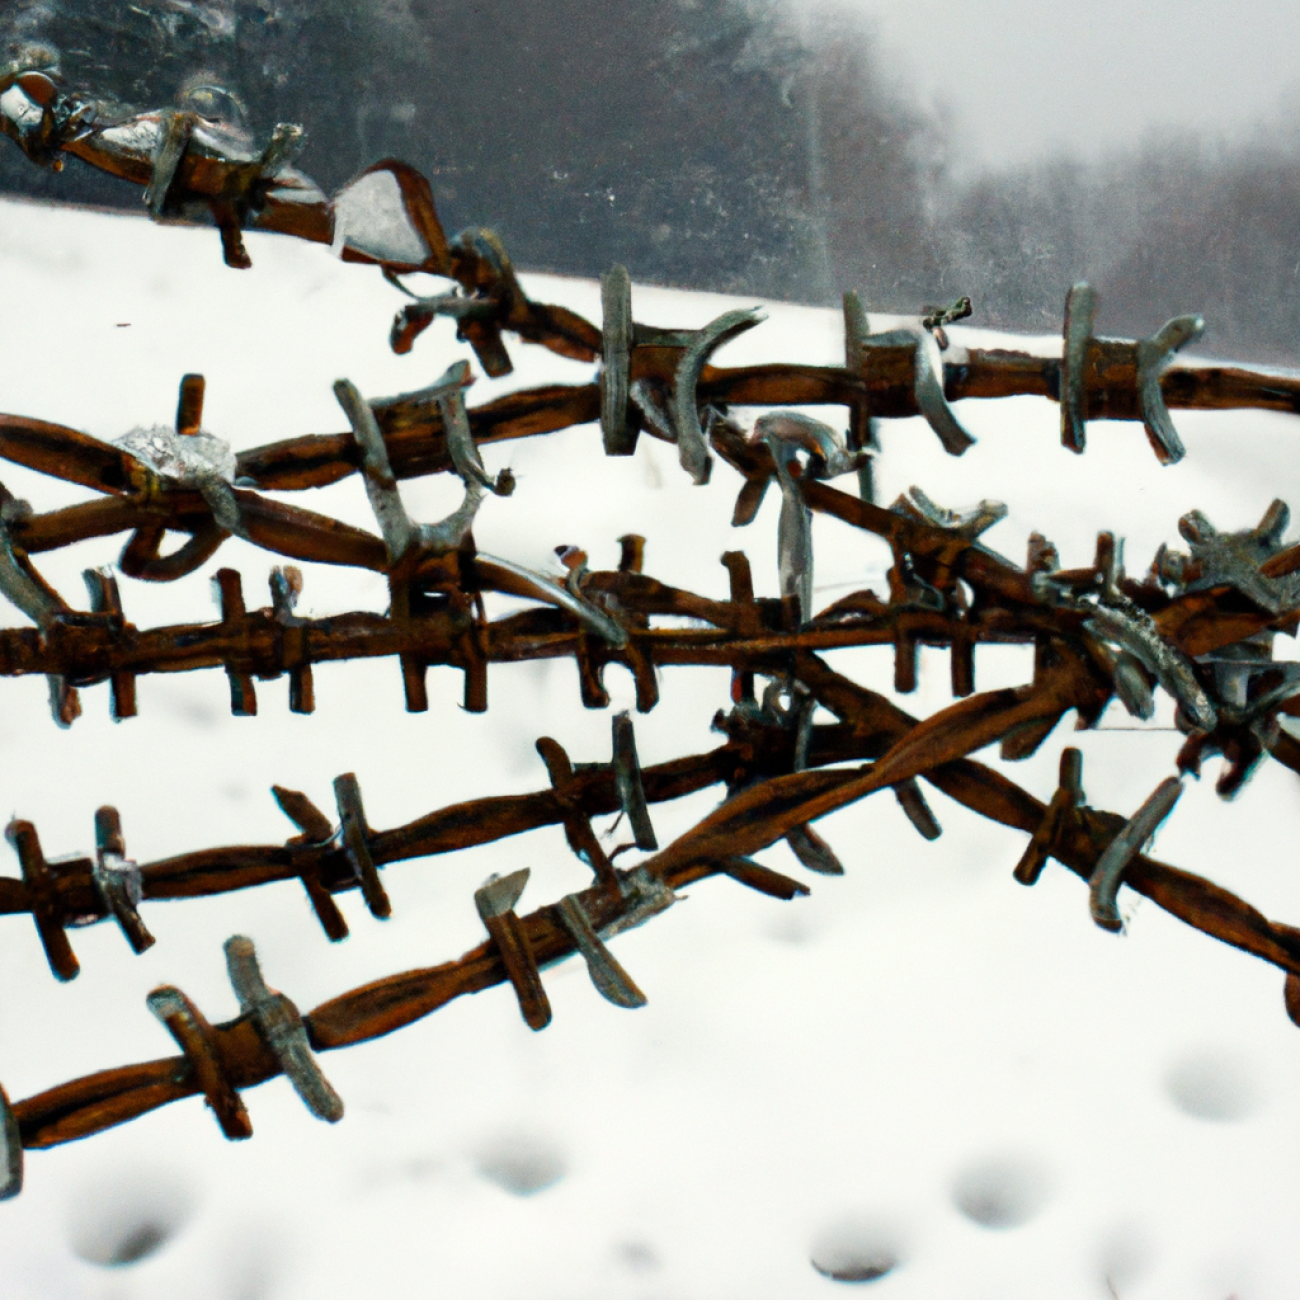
{"type": "Point", "coordinates": [915, 151]}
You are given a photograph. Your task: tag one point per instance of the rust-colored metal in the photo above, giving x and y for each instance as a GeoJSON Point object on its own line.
{"type": "Point", "coordinates": [1198, 625]}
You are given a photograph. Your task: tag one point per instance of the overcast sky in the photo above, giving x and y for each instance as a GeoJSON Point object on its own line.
{"type": "Point", "coordinates": [1022, 77]}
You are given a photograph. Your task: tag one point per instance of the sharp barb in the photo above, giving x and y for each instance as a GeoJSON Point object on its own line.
{"type": "Point", "coordinates": [612, 982]}
{"type": "Point", "coordinates": [1153, 357]}
{"type": "Point", "coordinates": [1106, 876]}
{"type": "Point", "coordinates": [631, 791]}
{"type": "Point", "coordinates": [1080, 318]}
{"type": "Point", "coordinates": [692, 447]}
{"type": "Point", "coordinates": [813, 851]}
{"type": "Point", "coordinates": [617, 430]}
{"type": "Point", "coordinates": [912, 801]}
{"type": "Point", "coordinates": [11, 1151]}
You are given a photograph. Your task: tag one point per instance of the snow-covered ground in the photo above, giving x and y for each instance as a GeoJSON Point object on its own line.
{"type": "Point", "coordinates": [922, 1061]}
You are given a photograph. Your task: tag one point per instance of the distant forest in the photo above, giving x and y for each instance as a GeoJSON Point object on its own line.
{"type": "Point", "coordinates": [706, 144]}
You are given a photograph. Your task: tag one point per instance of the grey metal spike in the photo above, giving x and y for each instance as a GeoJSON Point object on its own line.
{"type": "Point", "coordinates": [813, 436]}
{"type": "Point", "coordinates": [657, 417]}
{"type": "Point", "coordinates": [11, 1151]}
{"type": "Point", "coordinates": [611, 980]}
{"type": "Point", "coordinates": [967, 523]}
{"type": "Point", "coordinates": [804, 708]}
{"type": "Point", "coordinates": [499, 894]}
{"type": "Point", "coordinates": [1134, 630]}
{"type": "Point", "coordinates": [282, 1029]}
{"type": "Point", "coordinates": [793, 535]}
{"type": "Point", "coordinates": [1132, 687]}
{"type": "Point", "coordinates": [381, 485]}
{"type": "Point", "coordinates": [786, 433]}
{"type": "Point", "coordinates": [692, 447]}
{"type": "Point", "coordinates": [1080, 317]}
{"type": "Point", "coordinates": [354, 834]}
{"type": "Point", "coordinates": [449, 392]}
{"type": "Point", "coordinates": [17, 585]}
{"type": "Point", "coordinates": [856, 329]}
{"type": "Point", "coordinates": [222, 501]}
{"type": "Point", "coordinates": [627, 776]}
{"type": "Point", "coordinates": [1103, 885]}
{"type": "Point", "coordinates": [447, 534]}
{"type": "Point", "coordinates": [1153, 356]}
{"type": "Point", "coordinates": [172, 144]}
{"type": "Point", "coordinates": [399, 532]}
{"type": "Point", "coordinates": [616, 361]}
{"type": "Point", "coordinates": [927, 385]}
{"type": "Point", "coordinates": [117, 880]}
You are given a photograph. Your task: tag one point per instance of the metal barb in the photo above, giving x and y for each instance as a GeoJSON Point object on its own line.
{"type": "Point", "coordinates": [1063, 809]}
{"type": "Point", "coordinates": [644, 896]}
{"type": "Point", "coordinates": [17, 584]}
{"type": "Point", "coordinates": [395, 524]}
{"type": "Point", "coordinates": [43, 899]}
{"type": "Point", "coordinates": [692, 447]}
{"type": "Point", "coordinates": [863, 436]}
{"type": "Point", "coordinates": [927, 384]}
{"type": "Point", "coordinates": [495, 900]}
{"type": "Point", "coordinates": [1103, 885]}
{"type": "Point", "coordinates": [785, 434]}
{"type": "Point", "coordinates": [11, 1150]}
{"type": "Point", "coordinates": [1080, 317]}
{"type": "Point", "coordinates": [617, 430]}
{"type": "Point", "coordinates": [197, 1040]}
{"type": "Point", "coordinates": [631, 790]}
{"type": "Point", "coordinates": [1133, 630]}
{"type": "Point", "coordinates": [612, 982]}
{"type": "Point", "coordinates": [317, 831]}
{"type": "Point", "coordinates": [173, 141]}
{"type": "Point", "coordinates": [1132, 687]}
{"type": "Point", "coordinates": [763, 879]}
{"type": "Point", "coordinates": [282, 1030]}
{"type": "Point", "coordinates": [912, 801]}
{"type": "Point", "coordinates": [354, 834]}
{"type": "Point", "coordinates": [525, 582]}
{"type": "Point", "coordinates": [499, 894]}
{"type": "Point", "coordinates": [117, 880]}
{"type": "Point", "coordinates": [968, 524]}
{"type": "Point", "coordinates": [449, 393]}
{"type": "Point", "coordinates": [1153, 357]}
{"type": "Point", "coordinates": [813, 851]}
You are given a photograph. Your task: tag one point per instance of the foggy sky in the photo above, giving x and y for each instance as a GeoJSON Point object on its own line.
{"type": "Point", "coordinates": [1021, 78]}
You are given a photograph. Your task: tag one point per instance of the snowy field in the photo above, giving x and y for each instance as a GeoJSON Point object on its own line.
{"type": "Point", "coordinates": [923, 1061]}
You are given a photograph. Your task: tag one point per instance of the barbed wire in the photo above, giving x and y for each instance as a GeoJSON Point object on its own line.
{"type": "Point", "coordinates": [1197, 625]}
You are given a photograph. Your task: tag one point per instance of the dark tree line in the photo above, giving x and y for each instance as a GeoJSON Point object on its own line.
{"type": "Point", "coordinates": [704, 144]}
{"type": "Point", "coordinates": [1179, 225]}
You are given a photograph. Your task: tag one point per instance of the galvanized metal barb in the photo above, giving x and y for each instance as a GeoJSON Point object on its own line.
{"type": "Point", "coordinates": [117, 879]}
{"type": "Point", "coordinates": [1121, 851]}
{"type": "Point", "coordinates": [11, 1150]}
{"type": "Point", "coordinates": [282, 1029]}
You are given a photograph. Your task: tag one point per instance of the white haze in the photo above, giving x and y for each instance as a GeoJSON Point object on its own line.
{"type": "Point", "coordinates": [1015, 80]}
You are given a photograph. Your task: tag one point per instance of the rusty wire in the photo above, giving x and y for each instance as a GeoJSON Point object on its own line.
{"type": "Point", "coordinates": [1197, 625]}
